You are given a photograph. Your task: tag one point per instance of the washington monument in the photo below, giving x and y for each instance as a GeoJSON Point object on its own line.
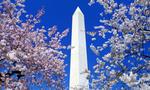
{"type": "Point", "coordinates": [79, 64]}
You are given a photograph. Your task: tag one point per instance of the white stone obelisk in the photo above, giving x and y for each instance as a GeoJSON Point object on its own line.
{"type": "Point", "coordinates": [79, 65]}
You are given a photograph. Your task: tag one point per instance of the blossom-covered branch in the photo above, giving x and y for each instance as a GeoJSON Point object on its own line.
{"type": "Point", "coordinates": [127, 33]}
{"type": "Point", "coordinates": [28, 55]}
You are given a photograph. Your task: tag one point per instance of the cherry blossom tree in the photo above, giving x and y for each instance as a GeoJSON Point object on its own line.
{"type": "Point", "coordinates": [124, 57]}
{"type": "Point", "coordinates": [29, 55]}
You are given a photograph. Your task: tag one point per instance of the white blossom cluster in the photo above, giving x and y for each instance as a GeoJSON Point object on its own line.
{"type": "Point", "coordinates": [126, 32]}
{"type": "Point", "coordinates": [27, 51]}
